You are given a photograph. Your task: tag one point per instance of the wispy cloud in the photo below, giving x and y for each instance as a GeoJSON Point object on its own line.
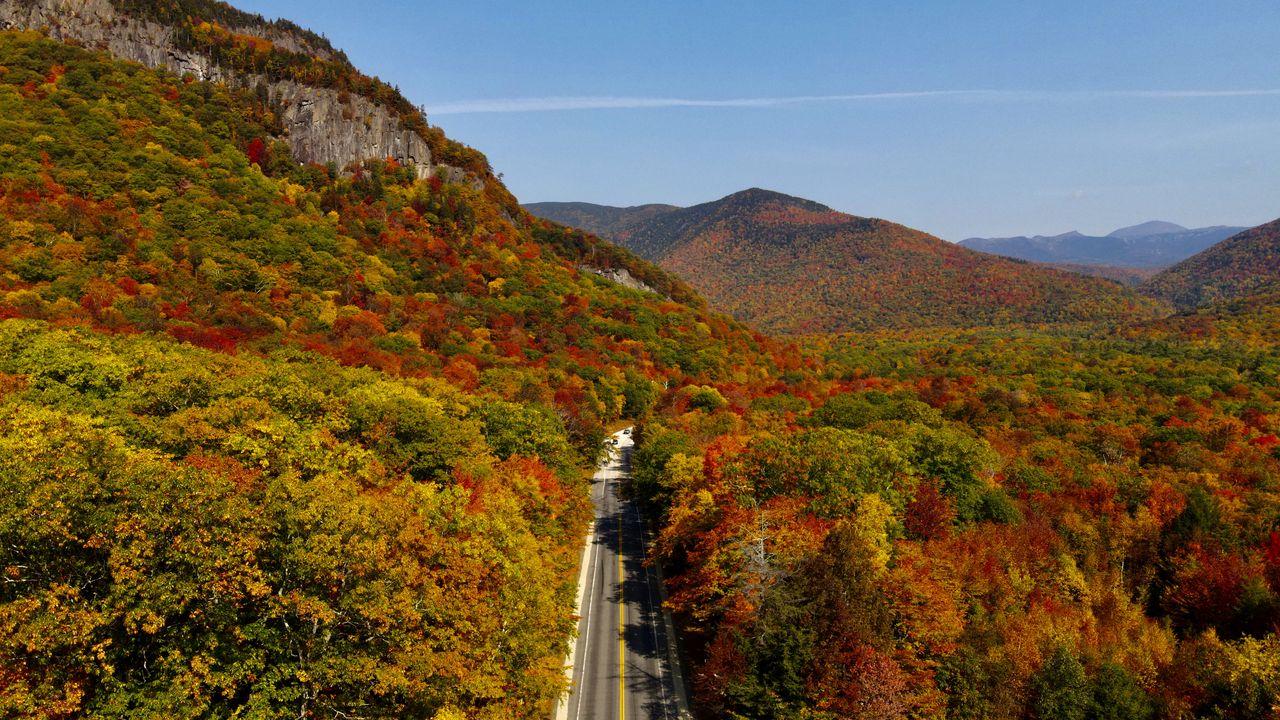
{"type": "Point", "coordinates": [596, 102]}
{"type": "Point", "coordinates": [608, 102]}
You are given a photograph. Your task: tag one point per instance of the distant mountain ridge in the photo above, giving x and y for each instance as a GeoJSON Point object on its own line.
{"type": "Point", "coordinates": [603, 220]}
{"type": "Point", "coordinates": [790, 265]}
{"type": "Point", "coordinates": [1244, 264]}
{"type": "Point", "coordinates": [1147, 229]}
{"type": "Point", "coordinates": [1151, 244]}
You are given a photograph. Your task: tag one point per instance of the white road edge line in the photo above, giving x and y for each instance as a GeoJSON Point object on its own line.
{"type": "Point", "coordinates": [586, 577]}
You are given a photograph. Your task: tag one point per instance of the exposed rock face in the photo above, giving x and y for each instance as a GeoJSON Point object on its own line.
{"type": "Point", "coordinates": [319, 131]}
{"type": "Point", "coordinates": [622, 276]}
{"type": "Point", "coordinates": [321, 128]}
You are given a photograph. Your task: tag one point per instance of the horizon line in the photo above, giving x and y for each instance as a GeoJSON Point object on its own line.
{"type": "Point", "coordinates": [611, 102]}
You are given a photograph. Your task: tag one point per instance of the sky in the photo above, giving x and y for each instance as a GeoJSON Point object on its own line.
{"type": "Point", "coordinates": [962, 119]}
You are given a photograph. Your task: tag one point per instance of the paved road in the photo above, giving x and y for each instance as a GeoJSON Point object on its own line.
{"type": "Point", "coordinates": [622, 665]}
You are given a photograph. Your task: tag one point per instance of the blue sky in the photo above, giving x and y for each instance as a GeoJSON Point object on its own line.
{"type": "Point", "coordinates": [958, 118]}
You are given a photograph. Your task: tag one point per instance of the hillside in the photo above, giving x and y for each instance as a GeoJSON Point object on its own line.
{"type": "Point", "coordinates": [1151, 244]}
{"type": "Point", "coordinates": [1244, 264]}
{"type": "Point", "coordinates": [309, 94]}
{"type": "Point", "coordinates": [614, 223]}
{"type": "Point", "coordinates": [789, 265]}
{"type": "Point", "coordinates": [277, 439]}
{"type": "Point", "coordinates": [1130, 276]}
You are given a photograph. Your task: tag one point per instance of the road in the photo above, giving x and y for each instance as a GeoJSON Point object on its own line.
{"type": "Point", "coordinates": [623, 666]}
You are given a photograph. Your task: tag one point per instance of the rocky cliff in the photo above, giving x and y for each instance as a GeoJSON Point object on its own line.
{"type": "Point", "coordinates": [321, 125]}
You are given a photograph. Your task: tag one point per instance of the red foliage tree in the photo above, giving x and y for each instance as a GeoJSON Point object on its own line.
{"type": "Point", "coordinates": [930, 514]}
{"type": "Point", "coordinates": [257, 151]}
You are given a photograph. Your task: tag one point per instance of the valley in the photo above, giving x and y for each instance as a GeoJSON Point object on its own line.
{"type": "Point", "coordinates": [303, 414]}
{"type": "Point", "coordinates": [624, 661]}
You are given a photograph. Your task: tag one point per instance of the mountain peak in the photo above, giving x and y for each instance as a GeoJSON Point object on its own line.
{"type": "Point", "coordinates": [1147, 229]}
{"type": "Point", "coordinates": [1068, 235]}
{"type": "Point", "coordinates": [759, 196]}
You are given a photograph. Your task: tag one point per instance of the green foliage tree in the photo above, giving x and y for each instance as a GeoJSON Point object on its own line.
{"type": "Point", "coordinates": [1060, 690]}
{"type": "Point", "coordinates": [220, 534]}
{"type": "Point", "coordinates": [854, 411]}
{"type": "Point", "coordinates": [512, 429]}
{"type": "Point", "coordinates": [834, 467]}
{"type": "Point", "coordinates": [640, 393]}
{"type": "Point", "coordinates": [961, 462]}
{"type": "Point", "coordinates": [413, 431]}
{"type": "Point", "coordinates": [704, 398]}
{"type": "Point", "coordinates": [1117, 696]}
{"type": "Point", "coordinates": [650, 460]}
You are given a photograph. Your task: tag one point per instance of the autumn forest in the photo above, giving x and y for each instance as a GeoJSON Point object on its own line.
{"type": "Point", "coordinates": [284, 439]}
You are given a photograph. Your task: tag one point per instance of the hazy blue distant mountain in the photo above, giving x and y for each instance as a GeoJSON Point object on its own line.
{"type": "Point", "coordinates": [1150, 244]}
{"type": "Point", "coordinates": [1147, 229]}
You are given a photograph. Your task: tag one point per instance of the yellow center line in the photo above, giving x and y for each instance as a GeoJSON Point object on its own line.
{"type": "Point", "coordinates": [622, 638]}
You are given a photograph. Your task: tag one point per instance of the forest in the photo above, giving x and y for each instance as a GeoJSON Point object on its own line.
{"type": "Point", "coordinates": [1053, 523]}
{"type": "Point", "coordinates": [277, 439]}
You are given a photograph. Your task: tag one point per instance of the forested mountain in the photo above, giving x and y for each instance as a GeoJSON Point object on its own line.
{"type": "Point", "coordinates": [1244, 264]}
{"type": "Point", "coordinates": [315, 100]}
{"type": "Point", "coordinates": [308, 439]}
{"type": "Point", "coordinates": [1148, 245]}
{"type": "Point", "coordinates": [283, 440]}
{"type": "Point", "coordinates": [790, 265]}
{"type": "Point", "coordinates": [614, 223]}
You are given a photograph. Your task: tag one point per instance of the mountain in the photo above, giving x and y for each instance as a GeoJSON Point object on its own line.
{"type": "Point", "coordinates": [283, 435]}
{"type": "Point", "coordinates": [325, 109]}
{"type": "Point", "coordinates": [606, 221]}
{"type": "Point", "coordinates": [1244, 264]}
{"type": "Point", "coordinates": [1148, 245]}
{"type": "Point", "coordinates": [790, 265]}
{"type": "Point", "coordinates": [1147, 229]}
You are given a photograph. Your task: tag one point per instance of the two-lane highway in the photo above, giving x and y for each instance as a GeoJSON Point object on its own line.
{"type": "Point", "coordinates": [623, 664]}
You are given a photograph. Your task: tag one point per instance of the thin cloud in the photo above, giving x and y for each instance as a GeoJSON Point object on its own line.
{"type": "Point", "coordinates": [544, 104]}
{"type": "Point", "coordinates": [1177, 94]}
{"type": "Point", "coordinates": [568, 103]}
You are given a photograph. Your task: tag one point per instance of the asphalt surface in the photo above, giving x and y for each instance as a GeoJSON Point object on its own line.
{"type": "Point", "coordinates": [622, 662]}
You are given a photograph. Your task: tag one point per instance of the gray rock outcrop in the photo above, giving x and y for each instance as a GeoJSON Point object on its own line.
{"type": "Point", "coordinates": [321, 126]}
{"type": "Point", "coordinates": [622, 276]}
